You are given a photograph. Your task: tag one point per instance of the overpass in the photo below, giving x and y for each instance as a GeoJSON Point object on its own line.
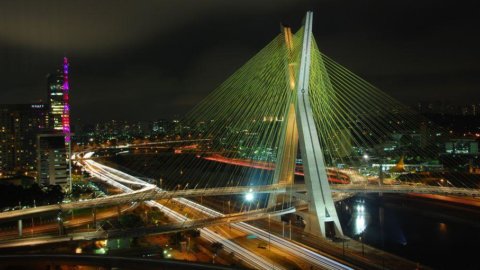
{"type": "Point", "coordinates": [160, 229]}
{"type": "Point", "coordinates": [151, 192]}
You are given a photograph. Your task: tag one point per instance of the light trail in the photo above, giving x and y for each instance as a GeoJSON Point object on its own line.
{"type": "Point", "coordinates": [331, 173]}
{"type": "Point", "coordinates": [293, 248]}
{"type": "Point", "coordinates": [242, 253]}
{"type": "Point", "coordinates": [254, 260]}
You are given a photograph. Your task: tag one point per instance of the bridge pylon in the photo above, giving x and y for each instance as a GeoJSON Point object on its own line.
{"type": "Point", "coordinates": [300, 130]}
{"type": "Point", "coordinates": [287, 153]}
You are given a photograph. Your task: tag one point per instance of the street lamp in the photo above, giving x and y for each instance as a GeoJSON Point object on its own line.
{"type": "Point", "coordinates": [249, 196]}
{"type": "Point", "coordinates": [60, 223]}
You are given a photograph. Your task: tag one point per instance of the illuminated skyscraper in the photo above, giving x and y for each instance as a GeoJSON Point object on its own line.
{"type": "Point", "coordinates": [58, 101]}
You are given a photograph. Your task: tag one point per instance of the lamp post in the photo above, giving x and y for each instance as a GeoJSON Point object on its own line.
{"type": "Point", "coordinates": [269, 232]}
{"type": "Point", "coordinates": [290, 229]}
{"type": "Point", "coordinates": [361, 240]}
{"type": "Point", "coordinates": [365, 158]}
{"type": "Point", "coordinates": [34, 206]}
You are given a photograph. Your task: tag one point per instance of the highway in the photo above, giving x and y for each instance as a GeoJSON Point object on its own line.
{"type": "Point", "coordinates": [249, 256]}
{"type": "Point", "coordinates": [244, 254]}
{"type": "Point", "coordinates": [149, 192]}
{"type": "Point", "coordinates": [49, 226]}
{"type": "Point", "coordinates": [38, 234]}
{"type": "Point", "coordinates": [290, 248]}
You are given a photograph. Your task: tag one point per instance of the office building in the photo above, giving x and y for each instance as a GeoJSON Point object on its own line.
{"type": "Point", "coordinates": [52, 160]}
{"type": "Point", "coordinates": [19, 126]}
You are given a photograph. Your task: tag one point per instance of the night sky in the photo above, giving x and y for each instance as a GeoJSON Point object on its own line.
{"type": "Point", "coordinates": [151, 59]}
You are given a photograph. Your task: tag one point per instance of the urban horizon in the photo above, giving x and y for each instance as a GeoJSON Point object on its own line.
{"type": "Point", "coordinates": [203, 137]}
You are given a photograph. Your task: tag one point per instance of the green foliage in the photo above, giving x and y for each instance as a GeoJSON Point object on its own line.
{"type": "Point", "coordinates": [80, 188]}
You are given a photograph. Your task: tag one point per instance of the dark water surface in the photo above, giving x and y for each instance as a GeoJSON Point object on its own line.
{"type": "Point", "coordinates": [439, 234]}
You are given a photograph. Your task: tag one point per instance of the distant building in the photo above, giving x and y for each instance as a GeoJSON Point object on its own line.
{"type": "Point", "coordinates": [52, 160]}
{"type": "Point", "coordinates": [462, 146]}
{"type": "Point", "coordinates": [19, 126]}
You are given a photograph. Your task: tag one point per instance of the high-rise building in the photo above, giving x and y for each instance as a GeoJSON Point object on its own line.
{"type": "Point", "coordinates": [52, 160]}
{"type": "Point", "coordinates": [58, 100]}
{"type": "Point", "coordinates": [35, 138]}
{"type": "Point", "coordinates": [19, 126]}
{"type": "Point", "coordinates": [58, 104]}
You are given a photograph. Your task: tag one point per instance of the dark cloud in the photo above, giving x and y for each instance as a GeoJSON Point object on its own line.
{"type": "Point", "coordinates": [153, 59]}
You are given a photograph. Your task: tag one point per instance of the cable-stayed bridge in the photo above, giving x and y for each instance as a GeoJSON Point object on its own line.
{"type": "Point", "coordinates": [288, 107]}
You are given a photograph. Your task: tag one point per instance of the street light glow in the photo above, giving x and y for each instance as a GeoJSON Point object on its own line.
{"type": "Point", "coordinates": [249, 196]}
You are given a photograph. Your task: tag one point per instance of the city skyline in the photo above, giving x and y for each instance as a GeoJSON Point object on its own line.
{"type": "Point", "coordinates": [409, 56]}
{"type": "Point", "coordinates": [193, 136]}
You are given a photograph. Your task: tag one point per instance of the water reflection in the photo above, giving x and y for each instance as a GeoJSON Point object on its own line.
{"type": "Point", "coordinates": [359, 215]}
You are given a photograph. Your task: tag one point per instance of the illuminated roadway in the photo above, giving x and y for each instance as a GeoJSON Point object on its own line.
{"type": "Point", "coordinates": [101, 234]}
{"type": "Point", "coordinates": [52, 224]}
{"type": "Point", "coordinates": [148, 191]}
{"type": "Point", "coordinates": [241, 252]}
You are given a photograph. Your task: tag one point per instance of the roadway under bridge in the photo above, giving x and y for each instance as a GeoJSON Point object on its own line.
{"type": "Point", "coordinates": [153, 193]}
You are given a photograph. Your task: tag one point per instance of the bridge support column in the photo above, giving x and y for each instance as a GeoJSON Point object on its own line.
{"type": "Point", "coordinates": [321, 208]}
{"type": "Point", "coordinates": [20, 228]}
{"type": "Point", "coordinates": [287, 153]}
